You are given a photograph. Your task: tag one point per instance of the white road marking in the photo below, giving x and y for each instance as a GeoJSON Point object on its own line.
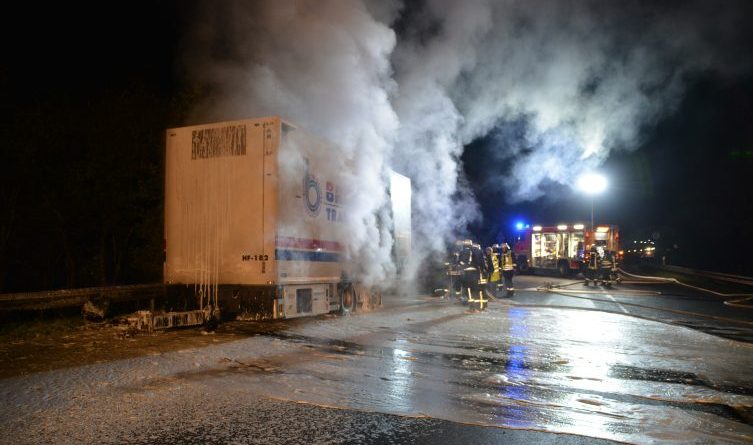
{"type": "Point", "coordinates": [622, 308]}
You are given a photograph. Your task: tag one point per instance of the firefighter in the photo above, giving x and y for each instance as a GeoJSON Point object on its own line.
{"type": "Point", "coordinates": [605, 269]}
{"type": "Point", "coordinates": [479, 262]}
{"type": "Point", "coordinates": [473, 274]}
{"type": "Point", "coordinates": [615, 276]}
{"type": "Point", "coordinates": [507, 264]}
{"type": "Point", "coordinates": [454, 270]}
{"type": "Point", "coordinates": [475, 277]}
{"type": "Point", "coordinates": [609, 268]}
{"type": "Point", "coordinates": [470, 272]}
{"type": "Point", "coordinates": [464, 255]}
{"type": "Point", "coordinates": [492, 267]}
{"type": "Point", "coordinates": [592, 268]}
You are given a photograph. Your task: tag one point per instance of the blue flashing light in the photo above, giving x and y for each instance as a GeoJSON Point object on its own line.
{"type": "Point", "coordinates": [519, 226]}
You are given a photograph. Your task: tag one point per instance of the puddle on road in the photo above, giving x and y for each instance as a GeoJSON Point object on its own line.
{"type": "Point", "coordinates": [588, 373]}
{"type": "Point", "coordinates": [579, 372]}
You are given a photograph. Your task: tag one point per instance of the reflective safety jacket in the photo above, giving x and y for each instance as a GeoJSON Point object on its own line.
{"type": "Point", "coordinates": [507, 262]}
{"type": "Point", "coordinates": [494, 269]}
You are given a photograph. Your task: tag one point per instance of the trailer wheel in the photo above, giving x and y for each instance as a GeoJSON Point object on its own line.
{"type": "Point", "coordinates": [348, 299]}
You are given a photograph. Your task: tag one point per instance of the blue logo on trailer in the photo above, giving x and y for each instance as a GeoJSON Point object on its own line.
{"type": "Point", "coordinates": [312, 193]}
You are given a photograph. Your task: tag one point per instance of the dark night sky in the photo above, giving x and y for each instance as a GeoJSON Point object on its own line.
{"type": "Point", "coordinates": [70, 77]}
{"type": "Point", "coordinates": [86, 93]}
{"type": "Point", "coordinates": [691, 182]}
{"type": "Point", "coordinates": [83, 49]}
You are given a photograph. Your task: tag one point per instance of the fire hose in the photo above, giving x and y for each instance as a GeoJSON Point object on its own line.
{"type": "Point", "coordinates": [558, 289]}
{"type": "Point", "coordinates": [738, 302]}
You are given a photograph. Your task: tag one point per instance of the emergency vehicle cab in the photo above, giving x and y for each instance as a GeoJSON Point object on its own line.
{"type": "Point", "coordinates": [563, 248]}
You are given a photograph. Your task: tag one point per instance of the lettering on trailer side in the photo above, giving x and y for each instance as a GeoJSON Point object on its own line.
{"type": "Point", "coordinates": [334, 212]}
{"type": "Point", "coordinates": [260, 257]}
{"type": "Point", "coordinates": [313, 198]}
{"type": "Point", "coordinates": [218, 142]}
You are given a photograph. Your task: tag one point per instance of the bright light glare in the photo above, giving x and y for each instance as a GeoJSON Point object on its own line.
{"type": "Point", "coordinates": [592, 183]}
{"type": "Point", "coordinates": [519, 226]}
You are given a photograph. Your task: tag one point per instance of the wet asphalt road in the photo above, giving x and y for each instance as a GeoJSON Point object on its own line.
{"type": "Point", "coordinates": [667, 303]}
{"type": "Point", "coordinates": [273, 421]}
{"type": "Point", "coordinates": [558, 366]}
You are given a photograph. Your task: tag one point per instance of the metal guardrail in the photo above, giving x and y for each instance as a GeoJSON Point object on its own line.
{"type": "Point", "coordinates": [62, 298]}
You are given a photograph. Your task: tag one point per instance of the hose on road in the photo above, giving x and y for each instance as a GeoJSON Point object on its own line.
{"type": "Point", "coordinates": [744, 300]}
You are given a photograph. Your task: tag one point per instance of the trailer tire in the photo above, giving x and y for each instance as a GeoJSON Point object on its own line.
{"type": "Point", "coordinates": [347, 299]}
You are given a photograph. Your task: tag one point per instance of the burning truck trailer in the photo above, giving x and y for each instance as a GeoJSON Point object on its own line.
{"type": "Point", "coordinates": [564, 248]}
{"type": "Point", "coordinates": [254, 223]}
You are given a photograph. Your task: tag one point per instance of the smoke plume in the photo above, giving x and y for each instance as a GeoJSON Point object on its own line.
{"type": "Point", "coordinates": [408, 86]}
{"type": "Point", "coordinates": [588, 77]}
{"type": "Point", "coordinates": [323, 65]}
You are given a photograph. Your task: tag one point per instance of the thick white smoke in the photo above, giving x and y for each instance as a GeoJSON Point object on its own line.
{"type": "Point", "coordinates": [588, 77]}
{"type": "Point", "coordinates": [324, 65]}
{"type": "Point", "coordinates": [409, 85]}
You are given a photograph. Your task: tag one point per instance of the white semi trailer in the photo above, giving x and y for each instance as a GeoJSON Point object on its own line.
{"type": "Point", "coordinates": [254, 221]}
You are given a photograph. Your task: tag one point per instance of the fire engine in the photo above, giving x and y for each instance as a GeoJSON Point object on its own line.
{"type": "Point", "coordinates": [563, 248]}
